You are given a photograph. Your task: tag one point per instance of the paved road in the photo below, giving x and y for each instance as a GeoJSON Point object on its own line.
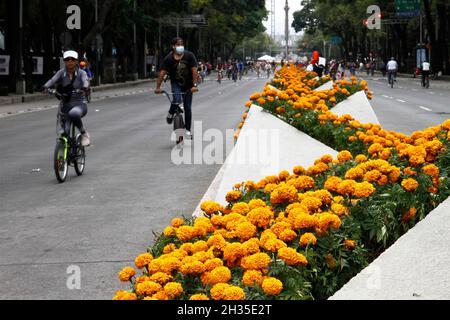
{"type": "Point", "coordinates": [101, 221]}
{"type": "Point", "coordinates": [408, 107]}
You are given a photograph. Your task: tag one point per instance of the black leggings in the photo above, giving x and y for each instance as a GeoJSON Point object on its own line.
{"type": "Point", "coordinates": [75, 115]}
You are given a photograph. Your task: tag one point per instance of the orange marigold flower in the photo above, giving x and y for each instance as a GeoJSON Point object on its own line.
{"type": "Point", "coordinates": [364, 190]}
{"type": "Point", "coordinates": [409, 215]}
{"type": "Point", "coordinates": [186, 233]}
{"type": "Point", "coordinates": [272, 286]}
{"type": "Point", "coordinates": [177, 222]}
{"type": "Point", "coordinates": [284, 194]}
{"type": "Point", "coordinates": [332, 183]}
{"type": "Point", "coordinates": [210, 207]}
{"type": "Point", "coordinates": [350, 244]}
{"type": "Point", "coordinates": [169, 232]}
{"type": "Point", "coordinates": [313, 204]}
{"type": "Point", "coordinates": [260, 217]}
{"type": "Point", "coordinates": [173, 290]}
{"type": "Point", "coordinates": [273, 245]}
{"type": "Point", "coordinates": [291, 257]}
{"type": "Point", "coordinates": [299, 170]}
{"type": "Point", "coordinates": [257, 203]}
{"type": "Point", "coordinates": [220, 275]}
{"type": "Point", "coordinates": [245, 231]}
{"type": "Point", "coordinates": [199, 297]}
{"type": "Point", "coordinates": [161, 278]}
{"type": "Point", "coordinates": [233, 196]}
{"type": "Point", "coordinates": [125, 296]}
{"type": "Point", "coordinates": [234, 293]}
{"type": "Point", "coordinates": [344, 156]}
{"type": "Point", "coordinates": [143, 260]}
{"type": "Point", "coordinates": [148, 288]}
{"type": "Point", "coordinates": [288, 235]}
{"type": "Point", "coordinates": [410, 184]}
{"type": "Point", "coordinates": [258, 261]}
{"type": "Point", "coordinates": [213, 264]}
{"type": "Point", "coordinates": [193, 268]}
{"type": "Point", "coordinates": [308, 238]}
{"type": "Point", "coordinates": [252, 278]}
{"type": "Point", "coordinates": [361, 158]}
{"type": "Point", "coordinates": [126, 274]}
{"type": "Point", "coordinates": [241, 208]}
{"type": "Point", "coordinates": [339, 209]}
{"type": "Point", "coordinates": [217, 241]}
{"type": "Point", "coordinates": [218, 291]}
{"type": "Point", "coordinates": [431, 170]}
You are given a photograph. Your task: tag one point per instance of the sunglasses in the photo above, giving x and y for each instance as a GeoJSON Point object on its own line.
{"type": "Point", "coordinates": [70, 59]}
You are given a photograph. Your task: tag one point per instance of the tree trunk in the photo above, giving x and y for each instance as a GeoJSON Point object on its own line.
{"type": "Point", "coordinates": [436, 60]}
{"type": "Point", "coordinates": [98, 27]}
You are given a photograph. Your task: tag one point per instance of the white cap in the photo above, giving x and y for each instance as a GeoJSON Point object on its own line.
{"type": "Point", "coordinates": [71, 54]}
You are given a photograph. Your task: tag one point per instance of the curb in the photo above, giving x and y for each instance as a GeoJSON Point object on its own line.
{"type": "Point", "coordinates": [18, 99]}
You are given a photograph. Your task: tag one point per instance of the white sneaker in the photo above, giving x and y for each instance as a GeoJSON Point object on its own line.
{"type": "Point", "coordinates": [86, 140]}
{"type": "Point", "coordinates": [189, 135]}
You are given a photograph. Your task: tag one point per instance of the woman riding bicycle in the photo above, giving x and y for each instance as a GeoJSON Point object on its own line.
{"type": "Point", "coordinates": [67, 81]}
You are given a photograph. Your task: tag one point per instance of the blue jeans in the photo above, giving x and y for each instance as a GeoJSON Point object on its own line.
{"type": "Point", "coordinates": [179, 93]}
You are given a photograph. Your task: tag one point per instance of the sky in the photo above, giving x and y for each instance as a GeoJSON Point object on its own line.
{"type": "Point", "coordinates": [280, 14]}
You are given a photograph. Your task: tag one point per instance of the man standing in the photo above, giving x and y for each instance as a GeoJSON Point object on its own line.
{"type": "Point", "coordinates": [426, 74]}
{"type": "Point", "coordinates": [181, 66]}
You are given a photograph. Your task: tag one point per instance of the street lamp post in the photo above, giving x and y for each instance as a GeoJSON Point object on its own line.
{"type": "Point", "coordinates": [286, 8]}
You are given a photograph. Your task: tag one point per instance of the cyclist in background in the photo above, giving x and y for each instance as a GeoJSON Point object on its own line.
{"type": "Point", "coordinates": [426, 74]}
{"type": "Point", "coordinates": [392, 68]}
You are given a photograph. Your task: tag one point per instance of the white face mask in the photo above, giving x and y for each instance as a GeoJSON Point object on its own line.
{"type": "Point", "coordinates": [179, 50]}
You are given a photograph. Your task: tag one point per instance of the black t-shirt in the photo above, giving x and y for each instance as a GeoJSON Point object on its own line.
{"type": "Point", "coordinates": [180, 71]}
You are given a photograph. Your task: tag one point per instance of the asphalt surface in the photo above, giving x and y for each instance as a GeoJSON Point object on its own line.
{"type": "Point", "coordinates": [408, 107]}
{"type": "Point", "coordinates": [101, 221]}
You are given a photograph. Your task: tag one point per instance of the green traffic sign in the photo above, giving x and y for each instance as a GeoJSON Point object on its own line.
{"type": "Point", "coordinates": [408, 7]}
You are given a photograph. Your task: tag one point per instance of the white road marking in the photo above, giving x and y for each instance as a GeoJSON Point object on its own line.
{"type": "Point", "coordinates": [402, 101]}
{"type": "Point", "coordinates": [425, 108]}
{"type": "Point", "coordinates": [431, 93]}
{"type": "Point", "coordinates": [385, 96]}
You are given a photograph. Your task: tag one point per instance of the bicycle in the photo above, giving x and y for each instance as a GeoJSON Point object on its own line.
{"type": "Point", "coordinates": [68, 149]}
{"type": "Point", "coordinates": [391, 78]}
{"type": "Point", "coordinates": [426, 81]}
{"type": "Point", "coordinates": [220, 76]}
{"type": "Point", "coordinates": [179, 127]}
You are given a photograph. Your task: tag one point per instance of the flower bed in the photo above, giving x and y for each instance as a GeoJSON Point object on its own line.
{"type": "Point", "coordinates": [302, 234]}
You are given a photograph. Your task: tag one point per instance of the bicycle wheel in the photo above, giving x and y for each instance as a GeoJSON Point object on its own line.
{"type": "Point", "coordinates": [79, 158]}
{"type": "Point", "coordinates": [179, 128]}
{"type": "Point", "coordinates": [60, 162]}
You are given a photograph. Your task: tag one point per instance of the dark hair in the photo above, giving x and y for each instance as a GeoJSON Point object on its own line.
{"type": "Point", "coordinates": [175, 40]}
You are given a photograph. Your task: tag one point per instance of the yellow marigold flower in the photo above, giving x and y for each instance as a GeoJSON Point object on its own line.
{"type": "Point", "coordinates": [270, 187]}
{"type": "Point", "coordinates": [410, 184]}
{"type": "Point", "coordinates": [187, 247]}
{"type": "Point", "coordinates": [279, 227]}
{"type": "Point", "coordinates": [233, 196]}
{"type": "Point", "coordinates": [327, 158]}
{"type": "Point", "coordinates": [177, 222]}
{"type": "Point", "coordinates": [173, 290]}
{"type": "Point", "coordinates": [304, 221]}
{"type": "Point", "coordinates": [217, 241]}
{"type": "Point", "coordinates": [234, 293]}
{"type": "Point", "coordinates": [186, 233]}
{"type": "Point", "coordinates": [308, 238]}
{"type": "Point", "coordinates": [204, 256]}
{"type": "Point", "coordinates": [218, 291]}
{"type": "Point", "coordinates": [143, 260]}
{"type": "Point", "coordinates": [199, 246]}
{"type": "Point", "coordinates": [375, 148]}
{"type": "Point", "coordinates": [126, 274]}
{"type": "Point", "coordinates": [258, 203]}
{"type": "Point", "coordinates": [328, 220]}
{"type": "Point", "coordinates": [169, 232]}
{"type": "Point", "coordinates": [125, 296]}
{"type": "Point", "coordinates": [161, 278]}
{"type": "Point", "coordinates": [199, 297]}
{"type": "Point", "coordinates": [258, 261]}
{"type": "Point", "coordinates": [161, 296]}
{"type": "Point", "coordinates": [272, 286]}
{"type": "Point", "coordinates": [344, 156]}
{"type": "Point", "coordinates": [252, 278]}
{"type": "Point", "coordinates": [350, 244]}
{"type": "Point", "coordinates": [354, 174]}
{"type": "Point", "coordinates": [274, 245]}
{"type": "Point", "coordinates": [283, 175]}
{"type": "Point", "coordinates": [148, 288]}
{"type": "Point", "coordinates": [409, 215]}
{"type": "Point", "coordinates": [260, 217]}
{"type": "Point", "coordinates": [220, 275]}
{"type": "Point", "coordinates": [291, 257]}
{"type": "Point", "coordinates": [241, 208]}
{"type": "Point", "coordinates": [213, 264]}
